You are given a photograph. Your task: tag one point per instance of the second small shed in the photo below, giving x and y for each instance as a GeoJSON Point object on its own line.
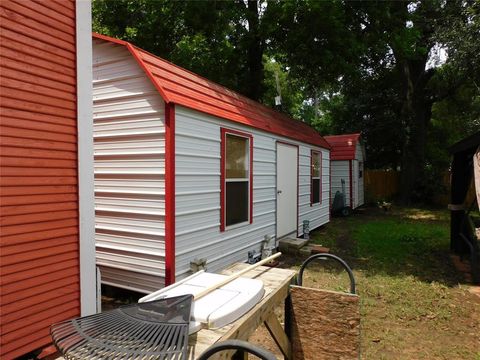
{"type": "Point", "coordinates": [186, 170]}
{"type": "Point", "coordinates": [347, 162]}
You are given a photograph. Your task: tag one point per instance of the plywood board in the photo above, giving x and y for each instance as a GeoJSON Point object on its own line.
{"type": "Point", "coordinates": [324, 324]}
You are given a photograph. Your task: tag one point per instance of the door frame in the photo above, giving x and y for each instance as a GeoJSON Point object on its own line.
{"type": "Point", "coordinates": [276, 185]}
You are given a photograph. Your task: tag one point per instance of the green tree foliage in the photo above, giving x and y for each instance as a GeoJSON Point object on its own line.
{"type": "Point", "coordinates": [317, 39]}
{"type": "Point", "coordinates": [220, 40]}
{"type": "Point", "coordinates": [278, 82]}
{"type": "Point", "coordinates": [342, 66]}
{"type": "Point", "coordinates": [386, 81]}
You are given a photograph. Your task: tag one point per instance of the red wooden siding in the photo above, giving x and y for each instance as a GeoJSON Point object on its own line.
{"type": "Point", "coordinates": [39, 260]}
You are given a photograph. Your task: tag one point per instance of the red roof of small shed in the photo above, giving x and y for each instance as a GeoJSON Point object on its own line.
{"type": "Point", "coordinates": [343, 146]}
{"type": "Point", "coordinates": [182, 87]}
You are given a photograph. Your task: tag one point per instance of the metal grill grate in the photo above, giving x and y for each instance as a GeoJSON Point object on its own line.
{"type": "Point", "coordinates": [151, 330]}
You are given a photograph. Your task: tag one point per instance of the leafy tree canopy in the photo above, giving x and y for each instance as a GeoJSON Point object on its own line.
{"type": "Point", "coordinates": [404, 73]}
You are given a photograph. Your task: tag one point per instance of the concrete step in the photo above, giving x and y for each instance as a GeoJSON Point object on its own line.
{"type": "Point", "coordinates": [291, 245]}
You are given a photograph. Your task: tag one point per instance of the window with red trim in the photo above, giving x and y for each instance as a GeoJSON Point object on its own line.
{"type": "Point", "coordinates": [236, 187]}
{"type": "Point", "coordinates": [316, 178]}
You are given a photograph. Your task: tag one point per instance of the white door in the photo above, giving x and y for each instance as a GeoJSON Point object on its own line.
{"type": "Point", "coordinates": [287, 167]}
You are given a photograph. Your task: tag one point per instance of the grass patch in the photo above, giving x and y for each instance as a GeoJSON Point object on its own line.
{"type": "Point", "coordinates": [413, 302]}
{"type": "Point", "coordinates": [399, 247]}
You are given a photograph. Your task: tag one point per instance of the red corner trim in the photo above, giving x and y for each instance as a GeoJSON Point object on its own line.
{"type": "Point", "coordinates": [169, 194]}
{"type": "Point", "coordinates": [351, 186]}
{"type": "Point", "coordinates": [223, 133]}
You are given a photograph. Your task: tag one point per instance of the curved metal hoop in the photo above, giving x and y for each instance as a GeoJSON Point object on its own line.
{"type": "Point", "coordinates": [327, 256]}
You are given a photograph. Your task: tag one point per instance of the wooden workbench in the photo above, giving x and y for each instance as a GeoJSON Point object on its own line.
{"type": "Point", "coordinates": [276, 283]}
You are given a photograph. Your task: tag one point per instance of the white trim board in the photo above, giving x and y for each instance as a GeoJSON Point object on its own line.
{"type": "Point", "coordinates": [88, 291]}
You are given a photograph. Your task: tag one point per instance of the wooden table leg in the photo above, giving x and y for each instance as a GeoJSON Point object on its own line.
{"type": "Point", "coordinates": [278, 334]}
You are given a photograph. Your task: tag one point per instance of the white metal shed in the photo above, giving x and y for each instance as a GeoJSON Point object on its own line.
{"type": "Point", "coordinates": [347, 163]}
{"type": "Point", "coordinates": [186, 169]}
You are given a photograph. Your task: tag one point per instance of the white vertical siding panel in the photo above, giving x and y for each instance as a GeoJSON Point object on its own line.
{"type": "Point", "coordinates": [129, 150]}
{"type": "Point", "coordinates": [340, 170]}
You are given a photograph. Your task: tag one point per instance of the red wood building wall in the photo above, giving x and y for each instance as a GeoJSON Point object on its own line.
{"type": "Point", "coordinates": [39, 259]}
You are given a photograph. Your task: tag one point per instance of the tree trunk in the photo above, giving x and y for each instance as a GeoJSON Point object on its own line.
{"type": "Point", "coordinates": [412, 178]}
{"type": "Point", "coordinates": [416, 114]}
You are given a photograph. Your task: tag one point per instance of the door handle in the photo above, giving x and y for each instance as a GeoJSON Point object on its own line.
{"type": "Point", "coordinates": [279, 191]}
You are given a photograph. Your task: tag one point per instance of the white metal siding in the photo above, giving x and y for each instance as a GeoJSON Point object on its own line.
{"type": "Point", "coordinates": [129, 149]}
{"type": "Point", "coordinates": [340, 170]}
{"type": "Point", "coordinates": [197, 186]}
{"type": "Point", "coordinates": [317, 214]}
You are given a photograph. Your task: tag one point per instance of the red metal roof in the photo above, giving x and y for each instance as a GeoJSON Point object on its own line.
{"type": "Point", "coordinates": [343, 146]}
{"type": "Point", "coordinates": [182, 87]}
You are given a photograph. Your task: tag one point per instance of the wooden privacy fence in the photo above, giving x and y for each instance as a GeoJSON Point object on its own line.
{"type": "Point", "coordinates": [381, 185]}
{"type": "Point", "coordinates": [384, 185]}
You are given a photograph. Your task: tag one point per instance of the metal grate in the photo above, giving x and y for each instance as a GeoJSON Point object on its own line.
{"type": "Point", "coordinates": [151, 330]}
